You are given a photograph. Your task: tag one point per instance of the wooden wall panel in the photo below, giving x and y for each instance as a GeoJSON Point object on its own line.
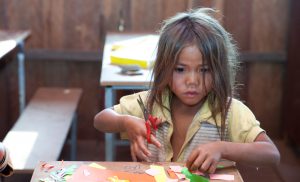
{"type": "Point", "coordinates": [171, 7]}
{"type": "Point", "coordinates": [9, 102]}
{"type": "Point", "coordinates": [237, 21]}
{"type": "Point", "coordinates": [49, 72]}
{"type": "Point", "coordinates": [204, 3]}
{"type": "Point", "coordinates": [269, 26]}
{"type": "Point", "coordinates": [292, 86]}
{"type": "Point", "coordinates": [114, 11]}
{"type": "Point", "coordinates": [268, 34]}
{"type": "Point", "coordinates": [52, 24]}
{"type": "Point", "coordinates": [265, 95]}
{"type": "Point", "coordinates": [67, 25]}
{"type": "Point", "coordinates": [140, 15]}
{"type": "Point", "coordinates": [145, 15]}
{"type": "Point", "coordinates": [2, 14]}
{"type": "Point", "coordinates": [4, 114]}
{"type": "Point", "coordinates": [83, 22]}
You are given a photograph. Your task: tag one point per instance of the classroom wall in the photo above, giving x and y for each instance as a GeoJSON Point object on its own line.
{"type": "Point", "coordinates": [65, 32]}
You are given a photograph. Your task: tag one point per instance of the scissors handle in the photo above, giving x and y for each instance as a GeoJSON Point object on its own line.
{"type": "Point", "coordinates": [150, 121]}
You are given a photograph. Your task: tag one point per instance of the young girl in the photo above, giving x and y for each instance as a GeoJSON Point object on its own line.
{"type": "Point", "coordinates": [192, 95]}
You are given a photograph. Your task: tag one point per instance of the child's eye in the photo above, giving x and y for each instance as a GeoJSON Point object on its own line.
{"type": "Point", "coordinates": [204, 70]}
{"type": "Point", "coordinates": [179, 69]}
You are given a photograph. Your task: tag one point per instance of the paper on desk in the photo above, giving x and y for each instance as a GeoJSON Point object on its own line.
{"type": "Point", "coordinates": [227, 177]}
{"type": "Point", "coordinates": [95, 165]}
{"type": "Point", "coordinates": [177, 170]}
{"type": "Point", "coordinates": [152, 172]}
{"type": "Point", "coordinates": [96, 174]}
{"type": "Point", "coordinates": [138, 51]}
{"type": "Point", "coordinates": [161, 177]}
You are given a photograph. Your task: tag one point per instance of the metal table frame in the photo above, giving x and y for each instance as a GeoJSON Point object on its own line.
{"type": "Point", "coordinates": [112, 81]}
{"type": "Point", "coordinates": [19, 38]}
{"type": "Point", "coordinates": [110, 138]}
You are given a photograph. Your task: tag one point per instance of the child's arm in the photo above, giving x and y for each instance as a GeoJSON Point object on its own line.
{"type": "Point", "coordinates": [261, 152]}
{"type": "Point", "coordinates": [110, 121]}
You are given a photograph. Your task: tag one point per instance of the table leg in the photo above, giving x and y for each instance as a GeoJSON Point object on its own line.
{"type": "Point", "coordinates": [73, 152]}
{"type": "Point", "coordinates": [21, 75]}
{"type": "Point", "coordinates": [109, 137]}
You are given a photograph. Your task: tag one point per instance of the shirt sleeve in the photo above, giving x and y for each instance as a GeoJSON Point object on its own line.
{"type": "Point", "coordinates": [243, 125]}
{"type": "Point", "coordinates": [129, 106]}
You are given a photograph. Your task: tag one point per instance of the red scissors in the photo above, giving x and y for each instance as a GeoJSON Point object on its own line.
{"type": "Point", "coordinates": [150, 121]}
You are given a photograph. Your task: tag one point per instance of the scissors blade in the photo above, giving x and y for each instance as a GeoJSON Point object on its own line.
{"type": "Point", "coordinates": [142, 106]}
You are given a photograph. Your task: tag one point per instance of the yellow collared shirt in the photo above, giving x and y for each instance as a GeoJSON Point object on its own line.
{"type": "Point", "coordinates": [241, 126]}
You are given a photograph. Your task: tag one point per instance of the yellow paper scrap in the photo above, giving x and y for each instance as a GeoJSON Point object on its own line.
{"type": "Point", "coordinates": [95, 165]}
{"type": "Point", "coordinates": [116, 179]}
{"type": "Point", "coordinates": [161, 177]}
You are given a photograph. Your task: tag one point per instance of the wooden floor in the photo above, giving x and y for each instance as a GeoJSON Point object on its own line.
{"type": "Point", "coordinates": [287, 171]}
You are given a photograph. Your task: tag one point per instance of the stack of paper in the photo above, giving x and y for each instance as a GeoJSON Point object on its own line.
{"type": "Point", "coordinates": [139, 51]}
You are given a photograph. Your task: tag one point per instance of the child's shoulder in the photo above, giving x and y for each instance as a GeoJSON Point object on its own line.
{"type": "Point", "coordinates": [238, 107]}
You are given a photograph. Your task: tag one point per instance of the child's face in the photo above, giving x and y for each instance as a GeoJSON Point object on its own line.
{"type": "Point", "coordinates": [192, 79]}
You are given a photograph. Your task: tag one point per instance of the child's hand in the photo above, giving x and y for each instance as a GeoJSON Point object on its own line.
{"type": "Point", "coordinates": [137, 134]}
{"type": "Point", "coordinates": [205, 157]}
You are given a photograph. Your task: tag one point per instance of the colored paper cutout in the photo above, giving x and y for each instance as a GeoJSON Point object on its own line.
{"type": "Point", "coordinates": [172, 180]}
{"type": "Point", "coordinates": [162, 177]}
{"type": "Point", "coordinates": [152, 172]}
{"type": "Point", "coordinates": [220, 166]}
{"type": "Point", "coordinates": [172, 174]}
{"type": "Point", "coordinates": [86, 172]}
{"type": "Point", "coordinates": [45, 166]}
{"type": "Point", "coordinates": [116, 179]}
{"type": "Point", "coordinates": [180, 176]}
{"type": "Point", "coordinates": [227, 177]}
{"type": "Point", "coordinates": [103, 175]}
{"type": "Point", "coordinates": [96, 165]}
{"type": "Point", "coordinates": [193, 177]}
{"type": "Point", "coordinates": [176, 169]}
{"type": "Point", "coordinates": [200, 173]}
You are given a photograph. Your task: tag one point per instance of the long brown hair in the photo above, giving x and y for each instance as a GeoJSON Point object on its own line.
{"type": "Point", "coordinates": [216, 45]}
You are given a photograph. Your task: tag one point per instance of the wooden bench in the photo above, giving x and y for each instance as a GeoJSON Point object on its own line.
{"type": "Point", "coordinates": [42, 129]}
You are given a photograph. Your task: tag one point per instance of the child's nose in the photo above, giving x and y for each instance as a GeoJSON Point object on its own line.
{"type": "Point", "coordinates": [193, 78]}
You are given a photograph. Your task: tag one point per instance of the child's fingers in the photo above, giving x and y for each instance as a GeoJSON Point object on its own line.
{"type": "Point", "coordinates": [154, 141]}
{"type": "Point", "coordinates": [195, 160]}
{"type": "Point", "coordinates": [138, 152]}
{"type": "Point", "coordinates": [191, 160]}
{"type": "Point", "coordinates": [213, 167]}
{"type": "Point", "coordinates": [142, 147]}
{"type": "Point", "coordinates": [133, 156]}
{"type": "Point", "coordinates": [205, 165]}
{"type": "Point", "coordinates": [198, 163]}
{"type": "Point", "coordinates": [158, 121]}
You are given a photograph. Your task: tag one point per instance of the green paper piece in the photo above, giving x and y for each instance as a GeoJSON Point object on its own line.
{"type": "Point", "coordinates": [193, 177]}
{"type": "Point", "coordinates": [70, 170]}
{"type": "Point", "coordinates": [45, 180]}
{"type": "Point", "coordinates": [220, 166]}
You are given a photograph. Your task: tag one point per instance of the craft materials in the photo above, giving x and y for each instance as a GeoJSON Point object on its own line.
{"type": "Point", "coordinates": [150, 121]}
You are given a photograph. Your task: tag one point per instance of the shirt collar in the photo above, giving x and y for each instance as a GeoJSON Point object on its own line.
{"type": "Point", "coordinates": [204, 114]}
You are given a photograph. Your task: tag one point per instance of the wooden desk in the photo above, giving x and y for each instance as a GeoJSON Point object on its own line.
{"type": "Point", "coordinates": [112, 80]}
{"type": "Point", "coordinates": [133, 167]}
{"type": "Point", "coordinates": [42, 129]}
{"type": "Point", "coordinates": [9, 40]}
